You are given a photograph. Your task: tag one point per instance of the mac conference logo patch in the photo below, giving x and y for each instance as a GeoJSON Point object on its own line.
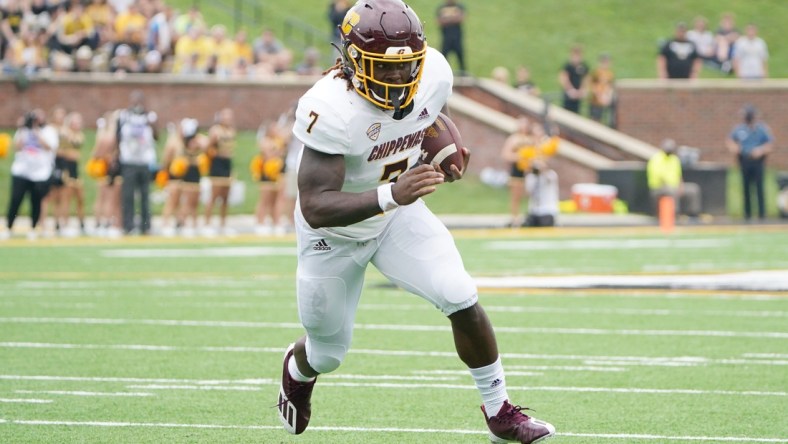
{"type": "Point", "coordinates": [374, 131]}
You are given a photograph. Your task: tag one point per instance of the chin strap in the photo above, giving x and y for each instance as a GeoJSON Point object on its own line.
{"type": "Point", "coordinates": [346, 70]}
{"type": "Point", "coordinates": [394, 94]}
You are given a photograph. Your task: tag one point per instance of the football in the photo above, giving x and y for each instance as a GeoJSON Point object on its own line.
{"type": "Point", "coordinates": [442, 144]}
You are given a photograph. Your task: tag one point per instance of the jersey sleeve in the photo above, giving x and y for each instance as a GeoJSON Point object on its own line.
{"type": "Point", "coordinates": [438, 67]}
{"type": "Point", "coordinates": [320, 127]}
{"type": "Point", "coordinates": [767, 133]}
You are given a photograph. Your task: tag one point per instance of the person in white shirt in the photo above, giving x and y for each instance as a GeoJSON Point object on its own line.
{"type": "Point", "coordinates": [35, 144]}
{"type": "Point", "coordinates": [704, 41]}
{"type": "Point", "coordinates": [750, 55]}
{"type": "Point", "coordinates": [541, 186]}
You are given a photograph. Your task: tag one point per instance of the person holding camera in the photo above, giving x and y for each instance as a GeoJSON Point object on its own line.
{"type": "Point", "coordinates": [541, 187]}
{"type": "Point", "coordinates": [34, 158]}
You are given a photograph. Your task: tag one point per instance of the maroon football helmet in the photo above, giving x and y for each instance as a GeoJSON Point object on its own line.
{"type": "Point", "coordinates": [383, 49]}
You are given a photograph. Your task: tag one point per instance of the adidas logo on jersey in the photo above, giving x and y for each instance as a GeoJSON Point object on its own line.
{"type": "Point", "coordinates": [321, 245]}
{"type": "Point", "coordinates": [424, 114]}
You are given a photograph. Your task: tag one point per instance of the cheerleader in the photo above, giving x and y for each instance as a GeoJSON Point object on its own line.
{"type": "Point", "coordinates": [221, 140]}
{"type": "Point", "coordinates": [511, 153]}
{"type": "Point", "coordinates": [267, 168]}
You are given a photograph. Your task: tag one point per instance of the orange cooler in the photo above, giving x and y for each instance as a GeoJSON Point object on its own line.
{"type": "Point", "coordinates": [593, 197]}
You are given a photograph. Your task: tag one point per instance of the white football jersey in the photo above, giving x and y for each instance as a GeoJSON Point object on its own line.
{"type": "Point", "coordinates": [334, 120]}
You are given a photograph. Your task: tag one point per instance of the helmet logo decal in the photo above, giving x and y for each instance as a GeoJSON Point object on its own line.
{"type": "Point", "coordinates": [374, 131]}
{"type": "Point", "coordinates": [399, 50]}
{"type": "Point", "coordinates": [351, 19]}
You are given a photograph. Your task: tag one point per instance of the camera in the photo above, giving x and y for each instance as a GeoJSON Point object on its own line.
{"type": "Point", "coordinates": [31, 120]}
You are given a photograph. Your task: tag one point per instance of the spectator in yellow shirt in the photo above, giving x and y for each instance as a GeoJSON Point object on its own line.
{"type": "Point", "coordinates": [242, 47]}
{"type": "Point", "coordinates": [100, 12]}
{"type": "Point", "coordinates": [224, 49]}
{"type": "Point", "coordinates": [665, 179]}
{"type": "Point", "coordinates": [188, 52]}
{"type": "Point", "coordinates": [74, 29]}
{"type": "Point", "coordinates": [130, 27]}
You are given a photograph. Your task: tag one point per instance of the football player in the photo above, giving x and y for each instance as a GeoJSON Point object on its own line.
{"type": "Point", "coordinates": [359, 202]}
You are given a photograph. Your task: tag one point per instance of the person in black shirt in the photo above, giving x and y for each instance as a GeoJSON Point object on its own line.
{"type": "Point", "coordinates": [678, 58]}
{"type": "Point", "coordinates": [450, 17]}
{"type": "Point", "coordinates": [572, 79]}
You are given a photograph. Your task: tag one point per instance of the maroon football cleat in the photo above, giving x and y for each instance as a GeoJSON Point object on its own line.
{"type": "Point", "coordinates": [294, 404]}
{"type": "Point", "coordinates": [512, 425]}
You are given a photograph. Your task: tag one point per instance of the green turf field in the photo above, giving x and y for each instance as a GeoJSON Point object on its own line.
{"type": "Point", "coordinates": [153, 341]}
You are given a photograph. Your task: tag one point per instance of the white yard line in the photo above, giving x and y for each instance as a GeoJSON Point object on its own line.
{"type": "Point", "coordinates": [156, 293]}
{"type": "Point", "coordinates": [133, 380]}
{"type": "Point", "coordinates": [608, 436]}
{"type": "Point", "coordinates": [130, 283]}
{"type": "Point", "coordinates": [222, 388]}
{"type": "Point", "coordinates": [143, 253]}
{"type": "Point", "coordinates": [605, 244]}
{"type": "Point", "coordinates": [591, 363]}
{"type": "Point", "coordinates": [602, 311]}
{"type": "Point", "coordinates": [84, 393]}
{"type": "Point", "coordinates": [756, 280]}
{"type": "Point", "coordinates": [25, 401]}
{"type": "Point", "coordinates": [766, 355]}
{"type": "Point", "coordinates": [509, 368]}
{"type": "Point", "coordinates": [250, 385]}
{"type": "Point", "coordinates": [391, 327]}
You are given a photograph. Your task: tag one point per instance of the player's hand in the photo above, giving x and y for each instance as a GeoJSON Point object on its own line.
{"type": "Point", "coordinates": [456, 173]}
{"type": "Point", "coordinates": [415, 183]}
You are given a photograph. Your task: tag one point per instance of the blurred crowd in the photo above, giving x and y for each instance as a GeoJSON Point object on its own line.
{"type": "Point", "coordinates": [727, 51]}
{"type": "Point", "coordinates": [193, 175]}
{"type": "Point", "coordinates": [135, 36]}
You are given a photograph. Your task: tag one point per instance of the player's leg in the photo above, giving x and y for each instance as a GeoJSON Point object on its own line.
{"type": "Point", "coordinates": [209, 204]}
{"type": "Point", "coordinates": [329, 279]}
{"type": "Point", "coordinates": [417, 253]}
{"type": "Point", "coordinates": [758, 179]}
{"type": "Point", "coordinates": [19, 187]}
{"type": "Point", "coordinates": [746, 179]}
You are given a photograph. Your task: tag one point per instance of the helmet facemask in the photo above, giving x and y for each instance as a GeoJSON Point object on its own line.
{"type": "Point", "coordinates": [387, 80]}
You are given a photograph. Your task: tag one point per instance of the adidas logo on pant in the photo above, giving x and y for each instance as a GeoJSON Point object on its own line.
{"type": "Point", "coordinates": [321, 245]}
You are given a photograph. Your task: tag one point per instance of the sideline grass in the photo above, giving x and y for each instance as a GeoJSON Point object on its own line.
{"type": "Point", "coordinates": [539, 34]}
{"type": "Point", "coordinates": [80, 325]}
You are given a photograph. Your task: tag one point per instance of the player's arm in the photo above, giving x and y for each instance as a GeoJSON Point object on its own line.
{"type": "Point", "coordinates": [662, 67]}
{"type": "Point", "coordinates": [323, 204]}
{"type": "Point", "coordinates": [697, 64]}
{"type": "Point", "coordinates": [509, 149]}
{"type": "Point", "coordinates": [766, 147]}
{"type": "Point", "coordinates": [733, 145]}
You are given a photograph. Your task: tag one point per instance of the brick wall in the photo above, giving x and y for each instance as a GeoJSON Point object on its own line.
{"type": "Point", "coordinates": [253, 102]}
{"type": "Point", "coordinates": [702, 113]}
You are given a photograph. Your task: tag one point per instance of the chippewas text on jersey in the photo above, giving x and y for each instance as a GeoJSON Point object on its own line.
{"type": "Point", "coordinates": [395, 146]}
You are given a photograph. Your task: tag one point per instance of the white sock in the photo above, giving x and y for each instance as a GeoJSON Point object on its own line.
{"type": "Point", "coordinates": [491, 383]}
{"type": "Point", "coordinates": [292, 368]}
